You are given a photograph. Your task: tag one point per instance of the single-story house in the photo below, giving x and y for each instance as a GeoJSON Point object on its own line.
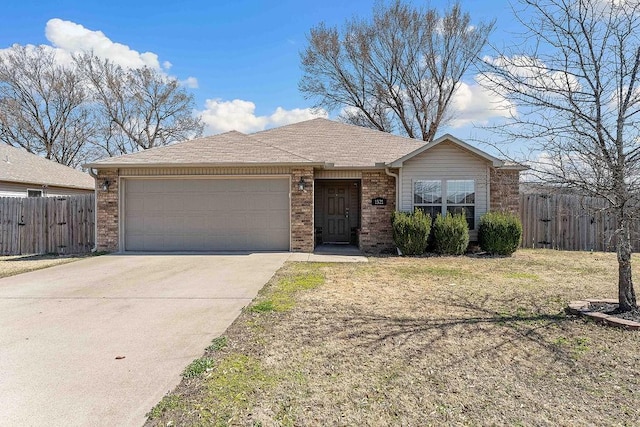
{"type": "Point", "coordinates": [291, 188]}
{"type": "Point", "coordinates": [23, 174]}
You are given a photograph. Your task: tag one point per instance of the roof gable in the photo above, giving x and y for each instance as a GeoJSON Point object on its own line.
{"type": "Point", "coordinates": [458, 142]}
{"type": "Point", "coordinates": [18, 165]}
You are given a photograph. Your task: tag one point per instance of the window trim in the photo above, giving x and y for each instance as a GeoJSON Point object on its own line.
{"type": "Point", "coordinates": [444, 205]}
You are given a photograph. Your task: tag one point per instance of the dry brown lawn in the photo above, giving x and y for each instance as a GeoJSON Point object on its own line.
{"type": "Point", "coordinates": [16, 264]}
{"type": "Point", "coordinates": [418, 342]}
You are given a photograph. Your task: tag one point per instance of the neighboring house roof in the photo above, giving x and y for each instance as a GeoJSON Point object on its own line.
{"type": "Point", "coordinates": [18, 165]}
{"type": "Point", "coordinates": [319, 142]}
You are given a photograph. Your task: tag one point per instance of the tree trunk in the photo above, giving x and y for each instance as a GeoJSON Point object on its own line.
{"type": "Point", "coordinates": [626, 294]}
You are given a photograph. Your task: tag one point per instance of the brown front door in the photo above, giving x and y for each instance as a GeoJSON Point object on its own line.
{"type": "Point", "coordinates": [336, 227]}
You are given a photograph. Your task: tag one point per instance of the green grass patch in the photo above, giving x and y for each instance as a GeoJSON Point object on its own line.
{"type": "Point", "coordinates": [230, 386]}
{"type": "Point", "coordinates": [198, 367]}
{"type": "Point", "coordinates": [217, 344]}
{"type": "Point", "coordinates": [168, 403]}
{"type": "Point", "coordinates": [264, 306]}
{"type": "Point", "coordinates": [577, 345]}
{"type": "Point", "coordinates": [280, 296]}
{"type": "Point", "coordinates": [580, 345]}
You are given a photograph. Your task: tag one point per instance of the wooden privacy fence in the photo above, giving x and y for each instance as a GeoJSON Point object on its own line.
{"type": "Point", "coordinates": [39, 225]}
{"type": "Point", "coordinates": [569, 222]}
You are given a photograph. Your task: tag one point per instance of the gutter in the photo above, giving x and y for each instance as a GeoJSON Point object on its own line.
{"type": "Point", "coordinates": [199, 165]}
{"type": "Point", "coordinates": [395, 175]}
{"type": "Point", "coordinates": [95, 211]}
{"type": "Point", "coordinates": [518, 167]}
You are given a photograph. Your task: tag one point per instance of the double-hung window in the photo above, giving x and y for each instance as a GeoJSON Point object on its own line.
{"type": "Point", "coordinates": [427, 196]}
{"type": "Point", "coordinates": [442, 196]}
{"type": "Point", "coordinates": [461, 198]}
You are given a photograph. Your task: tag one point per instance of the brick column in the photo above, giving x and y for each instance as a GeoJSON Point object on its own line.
{"type": "Point", "coordinates": [302, 211]}
{"type": "Point", "coordinates": [376, 232]}
{"type": "Point", "coordinates": [504, 189]}
{"type": "Point", "coordinates": [107, 217]}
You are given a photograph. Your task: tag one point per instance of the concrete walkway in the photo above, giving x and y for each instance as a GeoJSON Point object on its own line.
{"type": "Point", "coordinates": [64, 329]}
{"type": "Point", "coordinates": [331, 253]}
{"type": "Point", "coordinates": [315, 257]}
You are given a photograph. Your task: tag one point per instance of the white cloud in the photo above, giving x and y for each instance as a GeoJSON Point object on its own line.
{"type": "Point", "coordinates": [473, 103]}
{"type": "Point", "coordinates": [74, 38]}
{"type": "Point", "coordinates": [190, 82]}
{"type": "Point", "coordinates": [68, 38]}
{"type": "Point", "coordinates": [533, 74]}
{"type": "Point", "coordinates": [283, 117]}
{"type": "Point", "coordinates": [222, 116]}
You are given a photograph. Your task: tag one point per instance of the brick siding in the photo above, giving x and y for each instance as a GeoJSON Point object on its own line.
{"type": "Point", "coordinates": [107, 211]}
{"type": "Point", "coordinates": [302, 211]}
{"type": "Point", "coordinates": [504, 195]}
{"type": "Point", "coordinates": [376, 232]}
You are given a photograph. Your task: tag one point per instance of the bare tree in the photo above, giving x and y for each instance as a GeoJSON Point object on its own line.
{"type": "Point", "coordinates": [574, 80]}
{"type": "Point", "coordinates": [43, 106]}
{"type": "Point", "coordinates": [140, 108]}
{"type": "Point", "coordinates": [395, 73]}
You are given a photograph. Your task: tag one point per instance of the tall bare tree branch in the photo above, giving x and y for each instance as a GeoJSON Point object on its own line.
{"type": "Point", "coordinates": [140, 108]}
{"type": "Point", "coordinates": [574, 80]}
{"type": "Point", "coordinates": [395, 73]}
{"type": "Point", "coordinates": [43, 106]}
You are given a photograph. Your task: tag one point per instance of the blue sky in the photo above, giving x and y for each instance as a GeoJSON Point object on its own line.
{"type": "Point", "coordinates": [244, 50]}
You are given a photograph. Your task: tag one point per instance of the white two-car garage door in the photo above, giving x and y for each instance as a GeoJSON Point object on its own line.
{"type": "Point", "coordinates": [225, 214]}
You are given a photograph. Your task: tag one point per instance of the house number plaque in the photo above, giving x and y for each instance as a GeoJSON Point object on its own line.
{"type": "Point", "coordinates": [379, 201]}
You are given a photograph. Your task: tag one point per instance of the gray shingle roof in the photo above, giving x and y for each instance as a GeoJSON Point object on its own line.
{"type": "Point", "coordinates": [343, 145]}
{"type": "Point", "coordinates": [226, 148]}
{"type": "Point", "coordinates": [312, 142]}
{"type": "Point", "coordinates": [17, 165]}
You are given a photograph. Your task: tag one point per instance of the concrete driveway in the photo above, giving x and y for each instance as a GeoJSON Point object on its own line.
{"type": "Point", "coordinates": [62, 328]}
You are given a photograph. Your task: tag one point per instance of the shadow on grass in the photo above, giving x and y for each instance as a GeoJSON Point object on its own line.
{"type": "Point", "coordinates": [484, 332]}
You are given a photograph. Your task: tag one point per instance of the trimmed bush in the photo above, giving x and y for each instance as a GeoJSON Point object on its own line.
{"type": "Point", "coordinates": [499, 233]}
{"type": "Point", "coordinates": [411, 231]}
{"type": "Point", "coordinates": [450, 234]}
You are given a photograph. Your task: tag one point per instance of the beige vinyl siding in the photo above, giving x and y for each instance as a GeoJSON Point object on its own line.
{"type": "Point", "coordinates": [446, 161]}
{"type": "Point", "coordinates": [337, 174]}
{"type": "Point", "coordinates": [58, 191]}
{"type": "Point", "coordinates": [273, 170]}
{"type": "Point", "coordinates": [14, 189]}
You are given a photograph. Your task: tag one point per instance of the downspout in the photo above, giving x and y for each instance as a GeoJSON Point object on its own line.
{"type": "Point", "coordinates": [397, 178]}
{"type": "Point", "coordinates": [489, 207]}
{"type": "Point", "coordinates": [95, 211]}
